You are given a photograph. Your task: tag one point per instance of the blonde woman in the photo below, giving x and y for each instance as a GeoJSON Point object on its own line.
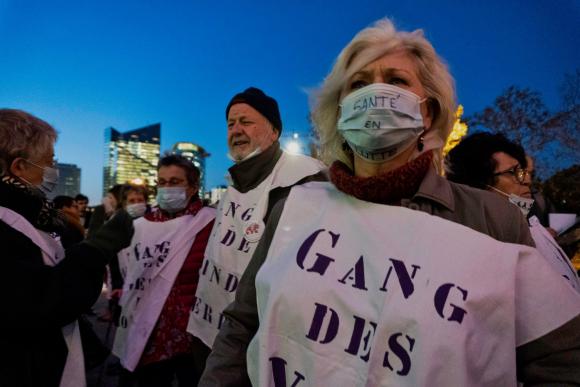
{"type": "Point", "coordinates": [390, 275]}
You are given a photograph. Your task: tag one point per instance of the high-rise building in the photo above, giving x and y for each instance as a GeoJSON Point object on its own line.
{"type": "Point", "coordinates": [131, 157]}
{"type": "Point", "coordinates": [197, 155]}
{"type": "Point", "coordinates": [69, 181]}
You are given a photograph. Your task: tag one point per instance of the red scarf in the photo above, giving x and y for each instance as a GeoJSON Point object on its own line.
{"type": "Point", "coordinates": [387, 188]}
{"type": "Point", "coordinates": [158, 215]}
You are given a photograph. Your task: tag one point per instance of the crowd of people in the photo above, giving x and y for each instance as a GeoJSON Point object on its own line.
{"type": "Point", "coordinates": [383, 263]}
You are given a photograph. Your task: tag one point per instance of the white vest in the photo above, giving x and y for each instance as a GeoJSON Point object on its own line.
{"type": "Point", "coordinates": [359, 294]}
{"type": "Point", "coordinates": [150, 266]}
{"type": "Point", "coordinates": [229, 249]}
{"type": "Point", "coordinates": [554, 255]}
{"type": "Point", "coordinates": [73, 374]}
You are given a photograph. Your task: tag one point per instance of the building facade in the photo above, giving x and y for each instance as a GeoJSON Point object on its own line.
{"type": "Point", "coordinates": [131, 157]}
{"type": "Point", "coordinates": [69, 181]}
{"type": "Point", "coordinates": [197, 155]}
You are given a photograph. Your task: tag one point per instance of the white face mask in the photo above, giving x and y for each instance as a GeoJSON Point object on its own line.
{"type": "Point", "coordinates": [380, 121]}
{"type": "Point", "coordinates": [172, 199]}
{"type": "Point", "coordinates": [524, 204]}
{"type": "Point", "coordinates": [136, 210]}
{"type": "Point", "coordinates": [49, 178]}
{"type": "Point", "coordinates": [253, 153]}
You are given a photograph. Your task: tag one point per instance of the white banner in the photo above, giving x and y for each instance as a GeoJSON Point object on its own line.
{"type": "Point", "coordinates": [358, 294]}
{"type": "Point", "coordinates": [229, 251]}
{"type": "Point", "coordinates": [52, 253]}
{"type": "Point", "coordinates": [151, 264]}
{"type": "Point", "coordinates": [553, 253]}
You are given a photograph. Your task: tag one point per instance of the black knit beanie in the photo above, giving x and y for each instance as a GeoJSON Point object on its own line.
{"type": "Point", "coordinates": [267, 106]}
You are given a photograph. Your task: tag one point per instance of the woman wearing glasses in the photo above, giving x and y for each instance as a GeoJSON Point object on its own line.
{"type": "Point", "coordinates": [45, 288]}
{"type": "Point", "coordinates": [387, 275]}
{"type": "Point", "coordinates": [492, 162]}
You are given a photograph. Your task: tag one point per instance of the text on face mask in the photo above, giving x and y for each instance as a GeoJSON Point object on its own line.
{"type": "Point", "coordinates": [376, 101]}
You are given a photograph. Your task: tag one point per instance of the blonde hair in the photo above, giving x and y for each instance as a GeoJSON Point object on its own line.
{"type": "Point", "coordinates": [23, 135]}
{"type": "Point", "coordinates": [367, 46]}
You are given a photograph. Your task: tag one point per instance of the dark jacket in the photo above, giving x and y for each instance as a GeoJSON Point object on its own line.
{"type": "Point", "coordinates": [477, 209]}
{"type": "Point", "coordinates": [38, 301]}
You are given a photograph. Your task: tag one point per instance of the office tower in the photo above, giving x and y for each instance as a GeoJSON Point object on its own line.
{"type": "Point", "coordinates": [69, 181]}
{"type": "Point", "coordinates": [131, 157]}
{"type": "Point", "coordinates": [197, 155]}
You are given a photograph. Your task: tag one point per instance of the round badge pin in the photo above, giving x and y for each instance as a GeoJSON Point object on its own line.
{"type": "Point", "coordinates": [253, 231]}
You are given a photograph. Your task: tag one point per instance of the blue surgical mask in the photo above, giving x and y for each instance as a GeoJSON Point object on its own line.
{"type": "Point", "coordinates": [380, 121]}
{"type": "Point", "coordinates": [172, 199]}
{"type": "Point", "coordinates": [49, 178]}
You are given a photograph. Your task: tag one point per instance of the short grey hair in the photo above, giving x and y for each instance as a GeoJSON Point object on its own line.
{"type": "Point", "coordinates": [22, 135]}
{"type": "Point", "coordinates": [367, 46]}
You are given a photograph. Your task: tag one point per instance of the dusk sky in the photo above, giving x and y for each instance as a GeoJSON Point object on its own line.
{"type": "Point", "coordinates": [84, 66]}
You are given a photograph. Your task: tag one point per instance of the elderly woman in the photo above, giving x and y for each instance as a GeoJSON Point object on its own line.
{"type": "Point", "coordinates": [45, 288]}
{"type": "Point", "coordinates": [390, 275]}
{"type": "Point", "coordinates": [491, 162]}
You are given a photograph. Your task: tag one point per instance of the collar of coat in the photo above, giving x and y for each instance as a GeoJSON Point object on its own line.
{"type": "Point", "coordinates": [248, 174]}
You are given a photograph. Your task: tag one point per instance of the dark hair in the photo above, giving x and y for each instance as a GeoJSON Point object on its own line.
{"type": "Point", "coordinates": [62, 201]}
{"type": "Point", "coordinates": [471, 162]}
{"type": "Point", "coordinates": [81, 197]}
{"type": "Point", "coordinates": [117, 192]}
{"type": "Point", "coordinates": [140, 189]}
{"type": "Point", "coordinates": [191, 171]}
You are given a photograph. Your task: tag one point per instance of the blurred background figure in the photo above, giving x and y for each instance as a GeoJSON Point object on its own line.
{"type": "Point", "coordinates": [110, 203]}
{"type": "Point", "coordinates": [102, 213]}
{"type": "Point", "coordinates": [84, 210]}
{"type": "Point", "coordinates": [74, 232]}
{"type": "Point", "coordinates": [134, 200]}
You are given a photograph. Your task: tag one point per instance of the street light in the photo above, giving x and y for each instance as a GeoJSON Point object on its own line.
{"type": "Point", "coordinates": [294, 145]}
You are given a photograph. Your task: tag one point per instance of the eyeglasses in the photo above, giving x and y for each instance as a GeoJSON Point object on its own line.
{"type": "Point", "coordinates": [52, 165]}
{"type": "Point", "coordinates": [174, 182]}
{"type": "Point", "coordinates": [518, 172]}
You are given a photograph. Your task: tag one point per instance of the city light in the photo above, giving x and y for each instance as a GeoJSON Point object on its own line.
{"type": "Point", "coordinates": [294, 145]}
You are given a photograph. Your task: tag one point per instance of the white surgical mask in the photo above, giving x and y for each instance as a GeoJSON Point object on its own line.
{"type": "Point", "coordinates": [49, 178]}
{"type": "Point", "coordinates": [136, 210]}
{"type": "Point", "coordinates": [253, 153]}
{"type": "Point", "coordinates": [379, 121]}
{"type": "Point", "coordinates": [172, 199]}
{"type": "Point", "coordinates": [524, 204]}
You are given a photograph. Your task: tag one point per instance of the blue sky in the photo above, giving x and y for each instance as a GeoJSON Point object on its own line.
{"type": "Point", "coordinates": [84, 66]}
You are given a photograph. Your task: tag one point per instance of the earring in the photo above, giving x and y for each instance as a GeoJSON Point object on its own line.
{"type": "Point", "coordinates": [420, 144]}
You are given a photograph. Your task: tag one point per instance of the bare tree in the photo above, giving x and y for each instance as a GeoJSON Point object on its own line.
{"type": "Point", "coordinates": [520, 114]}
{"type": "Point", "coordinates": [566, 122]}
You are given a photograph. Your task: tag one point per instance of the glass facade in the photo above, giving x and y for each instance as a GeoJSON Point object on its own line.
{"type": "Point", "coordinates": [131, 156]}
{"type": "Point", "coordinates": [197, 155]}
{"type": "Point", "coordinates": [69, 181]}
